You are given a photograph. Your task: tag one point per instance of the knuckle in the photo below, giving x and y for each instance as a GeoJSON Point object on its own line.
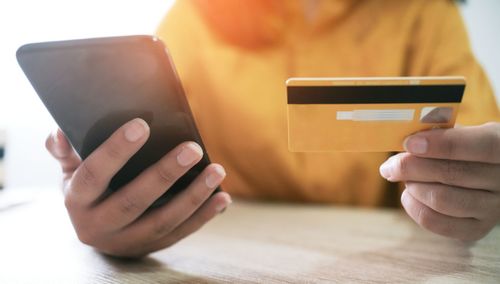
{"type": "Point", "coordinates": [403, 165]}
{"type": "Point", "coordinates": [446, 201]}
{"type": "Point", "coordinates": [87, 176]}
{"type": "Point", "coordinates": [439, 199]}
{"type": "Point", "coordinates": [166, 173]}
{"type": "Point", "coordinates": [113, 150]}
{"type": "Point", "coordinates": [492, 142]}
{"type": "Point", "coordinates": [162, 227]}
{"type": "Point", "coordinates": [195, 200]}
{"type": "Point", "coordinates": [129, 205]}
{"type": "Point", "coordinates": [425, 218]}
{"type": "Point", "coordinates": [453, 171]}
{"type": "Point", "coordinates": [450, 148]}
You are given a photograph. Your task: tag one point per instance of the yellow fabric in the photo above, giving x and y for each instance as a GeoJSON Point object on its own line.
{"type": "Point", "coordinates": [233, 58]}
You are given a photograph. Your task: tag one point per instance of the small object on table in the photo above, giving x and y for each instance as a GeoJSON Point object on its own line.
{"type": "Point", "coordinates": [3, 139]}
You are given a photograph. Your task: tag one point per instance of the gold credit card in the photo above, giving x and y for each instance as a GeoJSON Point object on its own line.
{"type": "Point", "coordinates": [367, 114]}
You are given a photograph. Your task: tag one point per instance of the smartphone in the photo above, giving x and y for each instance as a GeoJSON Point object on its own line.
{"type": "Point", "coordinates": [91, 87]}
{"type": "Point", "coordinates": [371, 114]}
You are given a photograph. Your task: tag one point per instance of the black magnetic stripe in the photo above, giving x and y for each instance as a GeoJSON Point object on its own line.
{"type": "Point", "coordinates": [375, 94]}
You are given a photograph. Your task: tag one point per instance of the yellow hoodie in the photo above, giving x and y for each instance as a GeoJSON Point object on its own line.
{"type": "Point", "coordinates": [233, 58]}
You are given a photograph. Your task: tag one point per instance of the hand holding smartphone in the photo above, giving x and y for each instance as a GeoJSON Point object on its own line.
{"type": "Point", "coordinates": [93, 86]}
{"type": "Point", "coordinates": [122, 108]}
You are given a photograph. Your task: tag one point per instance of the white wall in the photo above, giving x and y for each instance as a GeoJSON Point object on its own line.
{"type": "Point", "coordinates": [22, 21]}
{"type": "Point", "coordinates": [483, 23]}
{"type": "Point", "coordinates": [21, 113]}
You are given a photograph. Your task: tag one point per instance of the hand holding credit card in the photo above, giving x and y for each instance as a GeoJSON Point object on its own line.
{"type": "Point", "coordinates": [368, 114]}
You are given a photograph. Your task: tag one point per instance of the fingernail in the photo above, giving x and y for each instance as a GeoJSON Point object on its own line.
{"type": "Point", "coordinates": [222, 207]}
{"type": "Point", "coordinates": [386, 168]}
{"type": "Point", "coordinates": [189, 154]}
{"type": "Point", "coordinates": [215, 178]}
{"type": "Point", "coordinates": [416, 145]}
{"type": "Point", "coordinates": [135, 130]}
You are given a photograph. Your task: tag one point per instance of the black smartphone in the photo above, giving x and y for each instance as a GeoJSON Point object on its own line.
{"type": "Point", "coordinates": [91, 87]}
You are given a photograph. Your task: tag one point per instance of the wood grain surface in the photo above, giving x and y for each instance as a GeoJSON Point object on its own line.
{"type": "Point", "coordinates": [250, 242]}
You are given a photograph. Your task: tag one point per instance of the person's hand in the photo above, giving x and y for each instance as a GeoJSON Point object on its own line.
{"type": "Point", "coordinates": [452, 179]}
{"type": "Point", "coordinates": [117, 225]}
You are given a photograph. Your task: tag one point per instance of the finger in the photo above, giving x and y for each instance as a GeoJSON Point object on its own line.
{"type": "Point", "coordinates": [476, 143]}
{"type": "Point", "coordinates": [466, 229]}
{"type": "Point", "coordinates": [95, 172]}
{"type": "Point", "coordinates": [165, 219]}
{"type": "Point", "coordinates": [127, 204]}
{"type": "Point", "coordinates": [455, 201]}
{"type": "Point", "coordinates": [139, 248]}
{"type": "Point", "coordinates": [407, 167]}
{"type": "Point", "coordinates": [59, 147]}
{"type": "Point", "coordinates": [215, 205]}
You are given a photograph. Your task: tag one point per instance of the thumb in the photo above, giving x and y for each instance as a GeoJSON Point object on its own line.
{"type": "Point", "coordinates": [58, 146]}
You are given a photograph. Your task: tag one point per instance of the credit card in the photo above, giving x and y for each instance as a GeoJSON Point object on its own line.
{"type": "Point", "coordinates": [372, 114]}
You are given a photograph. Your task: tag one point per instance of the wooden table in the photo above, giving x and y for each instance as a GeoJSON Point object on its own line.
{"type": "Point", "coordinates": [250, 242]}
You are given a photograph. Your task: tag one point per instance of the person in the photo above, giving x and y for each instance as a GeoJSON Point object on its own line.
{"type": "Point", "coordinates": [233, 58]}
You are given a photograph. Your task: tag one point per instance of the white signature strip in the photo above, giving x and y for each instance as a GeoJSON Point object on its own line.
{"type": "Point", "coordinates": [377, 115]}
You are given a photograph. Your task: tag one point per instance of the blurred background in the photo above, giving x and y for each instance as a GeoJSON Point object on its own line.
{"type": "Point", "coordinates": [24, 122]}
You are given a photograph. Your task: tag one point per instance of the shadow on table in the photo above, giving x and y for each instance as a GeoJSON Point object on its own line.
{"type": "Point", "coordinates": [145, 270]}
